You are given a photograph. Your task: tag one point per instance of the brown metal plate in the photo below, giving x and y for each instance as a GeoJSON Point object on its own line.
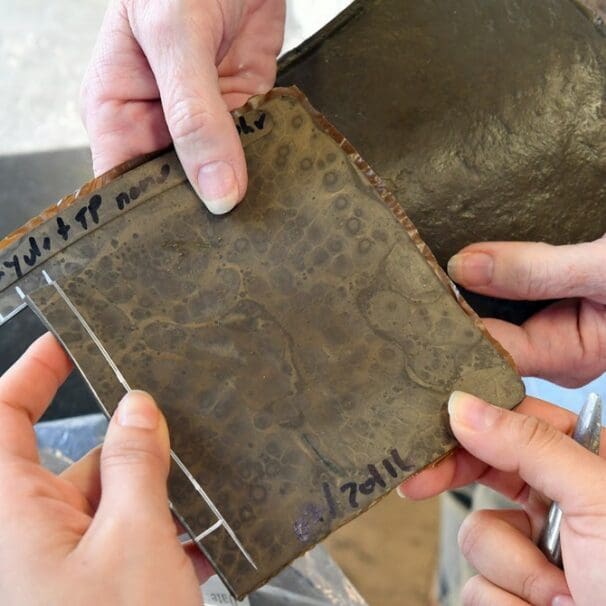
{"type": "Point", "coordinates": [302, 348]}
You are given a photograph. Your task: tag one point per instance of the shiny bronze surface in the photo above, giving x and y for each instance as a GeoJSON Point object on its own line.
{"type": "Point", "coordinates": [303, 348]}
{"type": "Point", "coordinates": [484, 117]}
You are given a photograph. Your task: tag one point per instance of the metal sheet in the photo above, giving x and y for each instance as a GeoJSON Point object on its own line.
{"type": "Point", "coordinates": [303, 348]}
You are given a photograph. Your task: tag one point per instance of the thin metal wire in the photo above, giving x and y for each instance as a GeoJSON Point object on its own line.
{"type": "Point", "coordinates": [208, 531]}
{"type": "Point", "coordinates": [93, 336]}
{"type": "Point", "coordinates": [213, 508]}
{"type": "Point", "coordinates": [12, 314]}
{"type": "Point", "coordinates": [221, 520]}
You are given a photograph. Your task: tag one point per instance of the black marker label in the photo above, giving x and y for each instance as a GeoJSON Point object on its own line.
{"type": "Point", "coordinates": [253, 125]}
{"type": "Point", "coordinates": [86, 215]}
{"type": "Point", "coordinates": [345, 498]}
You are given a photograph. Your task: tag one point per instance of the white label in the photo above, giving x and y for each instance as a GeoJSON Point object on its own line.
{"type": "Point", "coordinates": [214, 593]}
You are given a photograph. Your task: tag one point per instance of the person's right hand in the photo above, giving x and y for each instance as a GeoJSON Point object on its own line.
{"type": "Point", "coordinates": [536, 461]}
{"type": "Point", "coordinates": [564, 343]}
{"type": "Point", "coordinates": [164, 70]}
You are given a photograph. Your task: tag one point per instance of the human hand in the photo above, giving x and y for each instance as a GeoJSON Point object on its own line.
{"type": "Point", "coordinates": [565, 342]}
{"type": "Point", "coordinates": [529, 460]}
{"type": "Point", "coordinates": [101, 532]}
{"type": "Point", "coordinates": [165, 71]}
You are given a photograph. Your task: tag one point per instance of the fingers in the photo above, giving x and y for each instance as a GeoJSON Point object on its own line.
{"type": "Point", "coordinates": [478, 591]}
{"type": "Point", "coordinates": [533, 271]}
{"type": "Point", "coordinates": [452, 472]}
{"type": "Point", "coordinates": [85, 476]}
{"type": "Point", "coordinates": [498, 545]}
{"type": "Point", "coordinates": [26, 390]}
{"type": "Point", "coordinates": [134, 468]}
{"type": "Point", "coordinates": [152, 51]}
{"type": "Point", "coordinates": [462, 468]}
{"type": "Point", "coordinates": [250, 66]}
{"type": "Point", "coordinates": [184, 66]}
{"type": "Point", "coordinates": [517, 342]}
{"type": "Point", "coordinates": [119, 97]}
{"type": "Point", "coordinates": [542, 456]}
{"type": "Point", "coordinates": [563, 343]}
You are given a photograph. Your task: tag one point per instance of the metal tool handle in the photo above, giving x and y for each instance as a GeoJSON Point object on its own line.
{"type": "Point", "coordinates": [587, 432]}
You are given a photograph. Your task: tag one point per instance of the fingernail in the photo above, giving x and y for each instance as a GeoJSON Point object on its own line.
{"type": "Point", "coordinates": [400, 492]}
{"type": "Point", "coordinates": [138, 409]}
{"type": "Point", "coordinates": [471, 412]}
{"type": "Point", "coordinates": [218, 187]}
{"type": "Point", "coordinates": [562, 600]}
{"type": "Point", "coordinates": [471, 269]}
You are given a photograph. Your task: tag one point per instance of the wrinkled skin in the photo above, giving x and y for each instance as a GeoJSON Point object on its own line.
{"type": "Point", "coordinates": [525, 455]}
{"type": "Point", "coordinates": [165, 71]}
{"type": "Point", "coordinates": [171, 71]}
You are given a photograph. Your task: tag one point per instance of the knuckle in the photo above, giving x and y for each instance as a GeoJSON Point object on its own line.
{"type": "Point", "coordinates": [471, 594]}
{"type": "Point", "coordinates": [471, 532]}
{"type": "Point", "coordinates": [162, 21]}
{"type": "Point", "coordinates": [131, 453]}
{"type": "Point", "coordinates": [536, 433]}
{"type": "Point", "coordinates": [535, 279]}
{"type": "Point", "coordinates": [186, 119]}
{"type": "Point", "coordinates": [154, 18]}
{"type": "Point", "coordinates": [96, 86]}
{"type": "Point", "coordinates": [530, 585]}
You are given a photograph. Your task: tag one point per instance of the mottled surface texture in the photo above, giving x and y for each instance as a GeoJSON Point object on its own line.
{"type": "Point", "coordinates": [485, 117]}
{"type": "Point", "coordinates": [302, 348]}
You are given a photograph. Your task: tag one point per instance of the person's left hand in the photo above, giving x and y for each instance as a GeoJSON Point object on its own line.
{"type": "Point", "coordinates": [565, 342]}
{"type": "Point", "coordinates": [530, 460]}
{"type": "Point", "coordinates": [171, 71]}
{"type": "Point", "coordinates": [101, 532]}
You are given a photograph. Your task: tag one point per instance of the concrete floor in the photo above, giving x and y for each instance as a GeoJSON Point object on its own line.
{"type": "Point", "coordinates": [389, 553]}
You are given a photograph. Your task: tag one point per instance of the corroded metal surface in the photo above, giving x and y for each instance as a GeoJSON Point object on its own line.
{"type": "Point", "coordinates": [485, 117]}
{"type": "Point", "coordinates": [303, 348]}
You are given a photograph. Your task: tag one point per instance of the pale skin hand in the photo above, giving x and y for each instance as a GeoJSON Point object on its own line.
{"type": "Point", "coordinates": [528, 458]}
{"type": "Point", "coordinates": [168, 70]}
{"type": "Point", "coordinates": [101, 532]}
{"type": "Point", "coordinates": [565, 343]}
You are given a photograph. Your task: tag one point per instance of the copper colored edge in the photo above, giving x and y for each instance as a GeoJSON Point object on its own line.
{"type": "Point", "coordinates": [389, 199]}
{"type": "Point", "coordinates": [375, 181]}
{"type": "Point", "coordinates": [81, 192]}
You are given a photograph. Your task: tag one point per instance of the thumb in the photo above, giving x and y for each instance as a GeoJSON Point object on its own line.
{"type": "Point", "coordinates": [135, 460]}
{"type": "Point", "coordinates": [546, 459]}
{"type": "Point", "coordinates": [532, 270]}
{"type": "Point", "coordinates": [185, 68]}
